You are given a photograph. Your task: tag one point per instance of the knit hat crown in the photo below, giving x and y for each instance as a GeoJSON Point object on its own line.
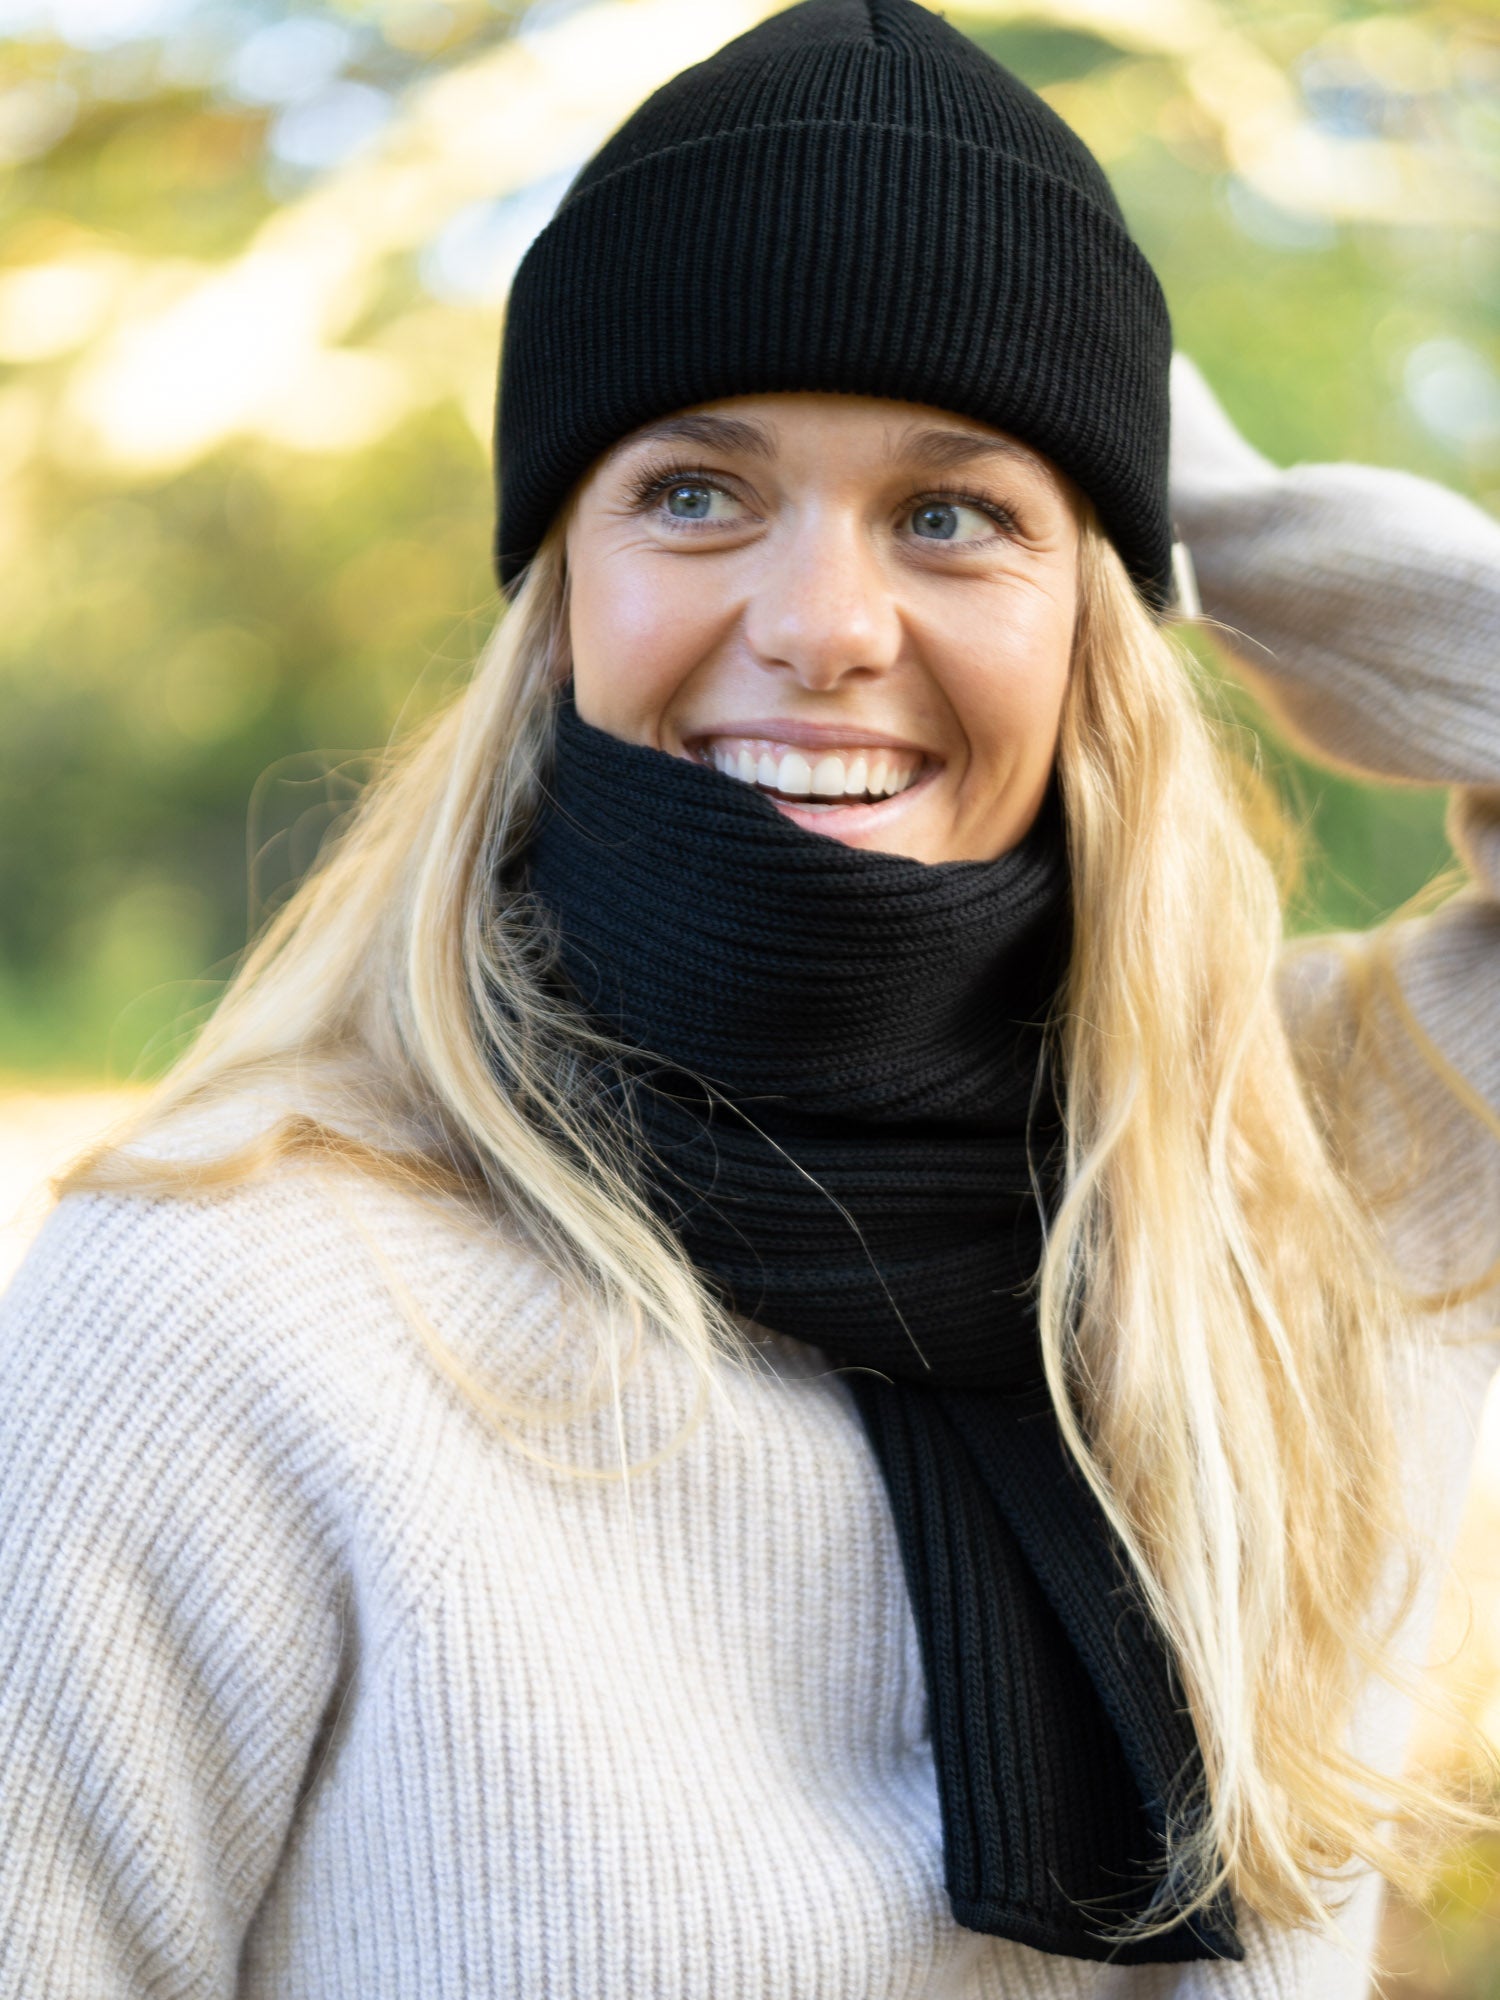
{"type": "Point", "coordinates": [850, 197]}
{"type": "Point", "coordinates": [869, 63]}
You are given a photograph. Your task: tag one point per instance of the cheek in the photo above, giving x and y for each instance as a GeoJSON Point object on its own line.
{"type": "Point", "coordinates": [1007, 682]}
{"type": "Point", "coordinates": [638, 627]}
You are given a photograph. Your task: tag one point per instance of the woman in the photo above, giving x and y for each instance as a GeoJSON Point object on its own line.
{"type": "Point", "coordinates": [766, 1348]}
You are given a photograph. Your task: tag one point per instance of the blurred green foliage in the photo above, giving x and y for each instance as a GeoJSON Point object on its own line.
{"type": "Point", "coordinates": [201, 641]}
{"type": "Point", "coordinates": [1451, 1949]}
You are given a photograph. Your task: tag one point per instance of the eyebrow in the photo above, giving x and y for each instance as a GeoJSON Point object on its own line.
{"type": "Point", "coordinates": [950, 450]}
{"type": "Point", "coordinates": [932, 444]}
{"type": "Point", "coordinates": [713, 433]}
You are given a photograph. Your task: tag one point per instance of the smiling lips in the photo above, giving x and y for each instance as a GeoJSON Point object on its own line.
{"type": "Point", "coordinates": [848, 776]}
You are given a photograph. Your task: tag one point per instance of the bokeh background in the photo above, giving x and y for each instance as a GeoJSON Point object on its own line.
{"type": "Point", "coordinates": [253, 260]}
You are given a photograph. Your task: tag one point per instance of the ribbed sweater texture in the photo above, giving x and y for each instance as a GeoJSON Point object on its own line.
{"type": "Point", "coordinates": [311, 1687]}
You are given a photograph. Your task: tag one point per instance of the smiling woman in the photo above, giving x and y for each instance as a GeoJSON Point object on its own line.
{"type": "Point", "coordinates": [834, 597]}
{"type": "Point", "coordinates": [772, 1345]}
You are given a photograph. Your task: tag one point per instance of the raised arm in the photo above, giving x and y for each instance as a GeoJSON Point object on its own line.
{"type": "Point", "coordinates": [1366, 602]}
{"type": "Point", "coordinates": [1364, 611]}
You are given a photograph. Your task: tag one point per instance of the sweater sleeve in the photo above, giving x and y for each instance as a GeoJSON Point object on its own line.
{"type": "Point", "coordinates": [1363, 607]}
{"type": "Point", "coordinates": [169, 1612]}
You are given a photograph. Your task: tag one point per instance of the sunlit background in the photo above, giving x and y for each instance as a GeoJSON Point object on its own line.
{"type": "Point", "coordinates": [253, 261]}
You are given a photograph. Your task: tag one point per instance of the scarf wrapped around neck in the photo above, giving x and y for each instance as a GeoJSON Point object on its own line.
{"type": "Point", "coordinates": [845, 1113]}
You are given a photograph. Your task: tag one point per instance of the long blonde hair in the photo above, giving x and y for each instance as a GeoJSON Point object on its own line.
{"type": "Point", "coordinates": [1220, 1329]}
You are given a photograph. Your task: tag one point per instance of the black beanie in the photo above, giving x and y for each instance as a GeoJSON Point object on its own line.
{"type": "Point", "coordinates": [852, 196]}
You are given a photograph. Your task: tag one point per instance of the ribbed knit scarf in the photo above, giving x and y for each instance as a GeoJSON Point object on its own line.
{"type": "Point", "coordinates": [841, 1058]}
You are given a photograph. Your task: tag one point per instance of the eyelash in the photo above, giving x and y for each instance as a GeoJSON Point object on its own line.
{"type": "Point", "coordinates": [650, 482]}
{"type": "Point", "coordinates": [955, 496]}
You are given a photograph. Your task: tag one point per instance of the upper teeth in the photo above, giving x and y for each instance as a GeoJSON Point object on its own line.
{"type": "Point", "coordinates": [827, 775]}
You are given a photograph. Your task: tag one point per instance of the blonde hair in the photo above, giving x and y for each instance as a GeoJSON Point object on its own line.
{"type": "Point", "coordinates": [1220, 1331]}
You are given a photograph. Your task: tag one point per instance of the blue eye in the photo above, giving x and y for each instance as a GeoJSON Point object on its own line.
{"type": "Point", "coordinates": [698, 502]}
{"type": "Point", "coordinates": [939, 521]}
{"type": "Point", "coordinates": [685, 496]}
{"type": "Point", "coordinates": [950, 521]}
{"type": "Point", "coordinates": [690, 503]}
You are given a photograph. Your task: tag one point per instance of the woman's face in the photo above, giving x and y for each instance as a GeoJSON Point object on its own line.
{"type": "Point", "coordinates": [864, 608]}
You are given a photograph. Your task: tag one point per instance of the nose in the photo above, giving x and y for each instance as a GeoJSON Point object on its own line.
{"type": "Point", "coordinates": [823, 607]}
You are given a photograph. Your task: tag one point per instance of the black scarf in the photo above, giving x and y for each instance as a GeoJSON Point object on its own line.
{"type": "Point", "coordinates": [859, 1176]}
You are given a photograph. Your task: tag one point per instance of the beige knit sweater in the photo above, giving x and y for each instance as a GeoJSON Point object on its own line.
{"type": "Point", "coordinates": [311, 1689]}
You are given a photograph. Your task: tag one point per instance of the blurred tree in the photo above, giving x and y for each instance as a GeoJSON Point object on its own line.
{"type": "Point", "coordinates": [252, 264]}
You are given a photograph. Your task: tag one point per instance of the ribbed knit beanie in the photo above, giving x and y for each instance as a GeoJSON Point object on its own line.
{"type": "Point", "coordinates": [851, 197]}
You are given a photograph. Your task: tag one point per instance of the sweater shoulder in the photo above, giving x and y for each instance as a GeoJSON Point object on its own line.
{"type": "Point", "coordinates": [300, 1271]}
{"type": "Point", "coordinates": [279, 1335]}
{"type": "Point", "coordinates": [236, 1287]}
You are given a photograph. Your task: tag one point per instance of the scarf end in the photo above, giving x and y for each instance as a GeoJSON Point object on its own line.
{"type": "Point", "coordinates": [1064, 1934]}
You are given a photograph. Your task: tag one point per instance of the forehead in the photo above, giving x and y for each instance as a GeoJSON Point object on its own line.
{"type": "Point", "coordinates": [768, 427]}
